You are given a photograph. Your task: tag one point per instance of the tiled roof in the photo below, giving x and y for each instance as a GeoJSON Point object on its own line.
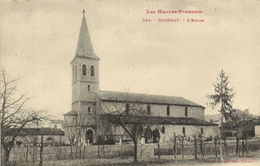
{"type": "Point", "coordinates": [34, 131]}
{"type": "Point", "coordinates": [71, 113]}
{"type": "Point", "coordinates": [145, 98]}
{"type": "Point", "coordinates": [156, 120]}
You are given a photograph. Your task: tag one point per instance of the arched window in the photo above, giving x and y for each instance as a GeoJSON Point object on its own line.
{"type": "Point", "coordinates": [148, 109]}
{"type": "Point", "coordinates": [88, 87]}
{"type": "Point", "coordinates": [168, 110]}
{"type": "Point", "coordinates": [186, 111]}
{"type": "Point", "coordinates": [163, 129]}
{"type": "Point", "coordinates": [201, 131]}
{"type": "Point", "coordinates": [127, 109]}
{"type": "Point", "coordinates": [92, 69]}
{"type": "Point", "coordinates": [84, 70]}
{"type": "Point", "coordinates": [89, 110]}
{"type": "Point", "coordinates": [183, 130]}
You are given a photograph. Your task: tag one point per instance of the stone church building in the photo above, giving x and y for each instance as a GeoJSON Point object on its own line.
{"type": "Point", "coordinates": [91, 106]}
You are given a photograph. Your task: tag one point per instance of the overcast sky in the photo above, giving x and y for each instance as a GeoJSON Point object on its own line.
{"type": "Point", "coordinates": [38, 41]}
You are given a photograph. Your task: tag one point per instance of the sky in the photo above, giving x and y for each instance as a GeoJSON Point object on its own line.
{"type": "Point", "coordinates": [38, 41]}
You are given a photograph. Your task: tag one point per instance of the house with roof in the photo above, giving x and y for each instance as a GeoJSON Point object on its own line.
{"type": "Point", "coordinates": [241, 123]}
{"type": "Point", "coordinates": [91, 106]}
{"type": "Point", "coordinates": [257, 127]}
{"type": "Point", "coordinates": [51, 130]}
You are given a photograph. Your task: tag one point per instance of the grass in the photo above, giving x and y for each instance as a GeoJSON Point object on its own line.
{"type": "Point", "coordinates": [252, 158]}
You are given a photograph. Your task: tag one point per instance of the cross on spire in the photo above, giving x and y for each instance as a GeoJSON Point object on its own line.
{"type": "Point", "coordinates": [83, 11]}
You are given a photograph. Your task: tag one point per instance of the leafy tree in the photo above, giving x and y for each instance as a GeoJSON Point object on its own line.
{"type": "Point", "coordinates": [223, 97]}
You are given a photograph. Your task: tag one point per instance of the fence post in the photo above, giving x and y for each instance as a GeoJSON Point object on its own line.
{"type": "Point", "coordinates": [182, 147]}
{"type": "Point", "coordinates": [195, 148]}
{"type": "Point", "coordinates": [225, 145]}
{"type": "Point", "coordinates": [34, 149]}
{"type": "Point", "coordinates": [158, 144]}
{"type": "Point", "coordinates": [215, 143]}
{"type": "Point", "coordinates": [243, 147]}
{"type": "Point", "coordinates": [41, 150]}
{"type": "Point", "coordinates": [237, 146]}
{"type": "Point", "coordinates": [246, 147]}
{"type": "Point", "coordinates": [201, 146]}
{"type": "Point", "coordinates": [174, 146]}
{"type": "Point", "coordinates": [27, 151]}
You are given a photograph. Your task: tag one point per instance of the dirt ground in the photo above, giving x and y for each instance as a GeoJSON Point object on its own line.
{"type": "Point", "coordinates": [253, 158]}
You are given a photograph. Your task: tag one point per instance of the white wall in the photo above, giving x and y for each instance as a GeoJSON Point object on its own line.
{"type": "Point", "coordinates": [190, 131]}
{"type": "Point", "coordinates": [156, 109]}
{"type": "Point", "coordinates": [257, 130]}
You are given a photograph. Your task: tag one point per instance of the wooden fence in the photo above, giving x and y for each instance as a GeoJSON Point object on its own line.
{"type": "Point", "coordinates": [127, 150]}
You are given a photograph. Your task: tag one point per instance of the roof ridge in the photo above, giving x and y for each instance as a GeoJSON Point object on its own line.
{"type": "Point", "coordinates": [142, 94]}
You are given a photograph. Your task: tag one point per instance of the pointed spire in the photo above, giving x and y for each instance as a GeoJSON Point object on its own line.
{"type": "Point", "coordinates": [84, 46]}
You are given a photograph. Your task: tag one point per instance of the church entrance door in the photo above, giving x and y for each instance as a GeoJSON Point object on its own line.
{"type": "Point", "coordinates": [89, 136]}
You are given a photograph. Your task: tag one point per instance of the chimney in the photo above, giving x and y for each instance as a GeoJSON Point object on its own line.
{"type": "Point", "coordinates": [211, 120]}
{"type": "Point", "coordinates": [246, 111]}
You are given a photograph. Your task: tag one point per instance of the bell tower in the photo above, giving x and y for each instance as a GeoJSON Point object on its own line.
{"type": "Point", "coordinates": [85, 75]}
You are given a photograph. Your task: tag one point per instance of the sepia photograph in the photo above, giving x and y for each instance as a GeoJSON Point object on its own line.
{"type": "Point", "coordinates": [129, 82]}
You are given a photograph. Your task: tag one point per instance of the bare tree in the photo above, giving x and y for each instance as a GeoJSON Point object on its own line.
{"type": "Point", "coordinates": [104, 137]}
{"type": "Point", "coordinates": [75, 128]}
{"type": "Point", "coordinates": [13, 115]}
{"type": "Point", "coordinates": [129, 116]}
{"type": "Point", "coordinates": [80, 131]}
{"type": "Point", "coordinates": [240, 124]}
{"type": "Point", "coordinates": [70, 124]}
{"type": "Point", "coordinates": [223, 96]}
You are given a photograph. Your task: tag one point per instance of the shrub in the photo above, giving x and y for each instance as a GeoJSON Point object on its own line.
{"type": "Point", "coordinates": [110, 142]}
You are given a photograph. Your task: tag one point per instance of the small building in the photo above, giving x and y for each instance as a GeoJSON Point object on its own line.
{"type": "Point", "coordinates": [240, 129]}
{"type": "Point", "coordinates": [31, 136]}
{"type": "Point", "coordinates": [257, 127]}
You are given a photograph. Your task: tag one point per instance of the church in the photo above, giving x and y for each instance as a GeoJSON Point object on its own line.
{"type": "Point", "coordinates": [92, 107]}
